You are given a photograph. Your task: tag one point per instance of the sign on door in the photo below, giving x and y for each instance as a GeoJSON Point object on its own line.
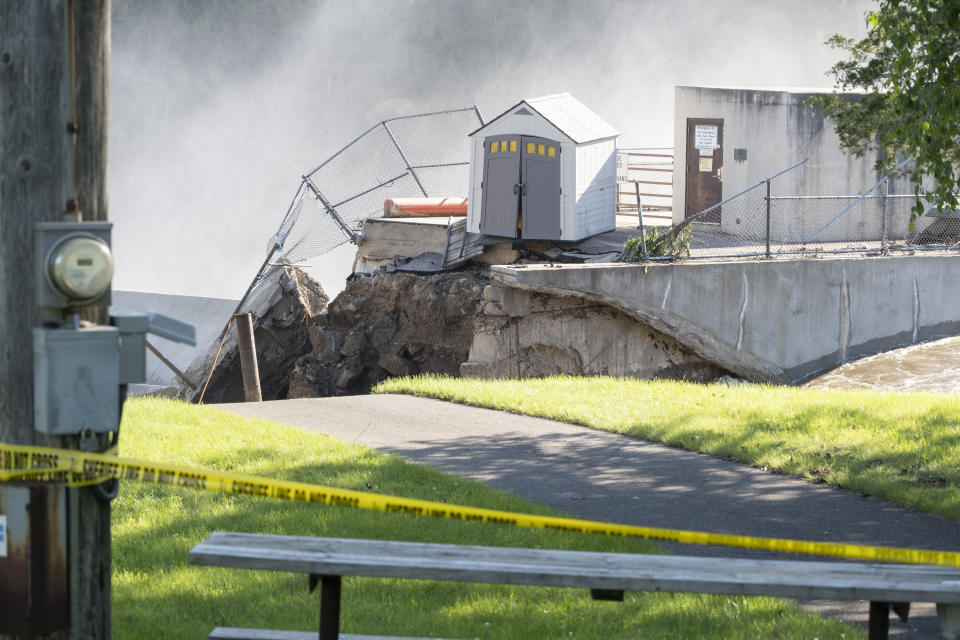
{"type": "Point", "coordinates": [705, 138]}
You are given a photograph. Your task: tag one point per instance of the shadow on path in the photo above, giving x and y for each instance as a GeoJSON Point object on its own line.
{"type": "Point", "coordinates": [602, 476]}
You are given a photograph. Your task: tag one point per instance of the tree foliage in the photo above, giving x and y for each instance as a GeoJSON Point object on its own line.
{"type": "Point", "coordinates": [909, 67]}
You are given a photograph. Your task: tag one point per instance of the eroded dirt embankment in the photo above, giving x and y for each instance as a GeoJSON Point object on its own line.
{"type": "Point", "coordinates": [395, 323]}
{"type": "Point", "coordinates": [390, 324]}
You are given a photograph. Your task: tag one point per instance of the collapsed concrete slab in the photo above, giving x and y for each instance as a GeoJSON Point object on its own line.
{"type": "Point", "coordinates": [283, 306]}
{"type": "Point", "coordinates": [524, 333]}
{"type": "Point", "coordinates": [771, 321]}
{"type": "Point", "coordinates": [459, 323]}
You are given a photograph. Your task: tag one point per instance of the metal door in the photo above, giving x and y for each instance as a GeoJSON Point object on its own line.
{"type": "Point", "coordinates": [540, 189]}
{"type": "Point", "coordinates": [501, 186]}
{"type": "Point", "coordinates": [704, 169]}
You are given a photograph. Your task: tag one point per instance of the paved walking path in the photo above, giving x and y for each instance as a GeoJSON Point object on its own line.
{"type": "Point", "coordinates": [602, 476]}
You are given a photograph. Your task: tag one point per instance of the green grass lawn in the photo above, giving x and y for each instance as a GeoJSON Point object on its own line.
{"type": "Point", "coordinates": [901, 447]}
{"type": "Point", "coordinates": [157, 594]}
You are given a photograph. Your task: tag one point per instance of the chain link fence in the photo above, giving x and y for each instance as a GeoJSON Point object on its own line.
{"type": "Point", "coordinates": [425, 155]}
{"type": "Point", "coordinates": [757, 223]}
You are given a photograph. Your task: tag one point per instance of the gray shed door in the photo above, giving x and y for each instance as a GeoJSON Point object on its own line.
{"type": "Point", "coordinates": [521, 188]}
{"type": "Point", "coordinates": [540, 204]}
{"type": "Point", "coordinates": [501, 186]}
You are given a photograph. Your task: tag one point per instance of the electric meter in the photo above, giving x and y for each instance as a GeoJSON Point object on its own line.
{"type": "Point", "coordinates": [74, 264]}
{"type": "Point", "coordinates": [80, 267]}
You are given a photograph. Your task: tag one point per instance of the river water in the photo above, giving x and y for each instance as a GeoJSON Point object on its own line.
{"type": "Point", "coordinates": [930, 366]}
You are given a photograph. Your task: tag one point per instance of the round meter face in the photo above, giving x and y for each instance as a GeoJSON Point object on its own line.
{"type": "Point", "coordinates": [80, 267]}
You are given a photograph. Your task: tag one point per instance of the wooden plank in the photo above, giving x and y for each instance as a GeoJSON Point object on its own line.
{"type": "Point", "coordinates": [238, 633]}
{"type": "Point", "coordinates": [461, 245]}
{"type": "Point", "coordinates": [588, 570]}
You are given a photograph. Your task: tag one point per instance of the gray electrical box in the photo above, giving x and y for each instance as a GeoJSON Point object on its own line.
{"type": "Point", "coordinates": [133, 327]}
{"type": "Point", "coordinates": [133, 345]}
{"type": "Point", "coordinates": [76, 380]}
{"type": "Point", "coordinates": [78, 371]}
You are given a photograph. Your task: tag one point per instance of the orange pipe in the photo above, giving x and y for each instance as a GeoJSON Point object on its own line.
{"type": "Point", "coordinates": [408, 207]}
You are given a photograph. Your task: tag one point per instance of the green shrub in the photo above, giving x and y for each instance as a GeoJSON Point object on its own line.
{"type": "Point", "coordinates": [675, 243]}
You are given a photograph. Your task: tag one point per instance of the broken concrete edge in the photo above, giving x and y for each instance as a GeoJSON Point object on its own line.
{"type": "Point", "coordinates": [522, 334]}
{"type": "Point", "coordinates": [459, 323]}
{"type": "Point", "coordinates": [267, 293]}
{"type": "Point", "coordinates": [388, 242]}
{"type": "Point", "coordinates": [697, 338]}
{"type": "Point", "coordinates": [806, 315]}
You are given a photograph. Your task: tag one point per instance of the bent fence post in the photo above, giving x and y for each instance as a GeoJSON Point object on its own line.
{"type": "Point", "coordinates": [643, 232]}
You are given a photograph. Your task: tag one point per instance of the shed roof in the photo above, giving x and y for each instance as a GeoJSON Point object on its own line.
{"type": "Point", "coordinates": [573, 118]}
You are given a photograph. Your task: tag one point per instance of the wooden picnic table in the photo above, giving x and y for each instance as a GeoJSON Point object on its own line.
{"type": "Point", "coordinates": [606, 575]}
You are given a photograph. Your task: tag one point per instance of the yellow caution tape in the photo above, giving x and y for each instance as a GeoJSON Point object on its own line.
{"type": "Point", "coordinates": [39, 464]}
{"type": "Point", "coordinates": [20, 463]}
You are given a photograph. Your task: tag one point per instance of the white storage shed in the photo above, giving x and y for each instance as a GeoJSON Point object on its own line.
{"type": "Point", "coordinates": [545, 169]}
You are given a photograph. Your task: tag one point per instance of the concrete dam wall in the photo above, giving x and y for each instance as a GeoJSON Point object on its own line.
{"type": "Point", "coordinates": [779, 321]}
{"type": "Point", "coordinates": [776, 321]}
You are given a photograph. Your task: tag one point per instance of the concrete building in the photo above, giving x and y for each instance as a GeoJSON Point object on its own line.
{"type": "Point", "coordinates": [545, 169]}
{"type": "Point", "coordinates": [727, 139]}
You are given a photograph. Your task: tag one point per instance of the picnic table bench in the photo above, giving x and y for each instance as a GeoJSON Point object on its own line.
{"type": "Point", "coordinates": [606, 575]}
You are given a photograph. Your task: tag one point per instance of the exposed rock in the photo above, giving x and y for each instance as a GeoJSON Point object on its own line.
{"type": "Point", "coordinates": [390, 324]}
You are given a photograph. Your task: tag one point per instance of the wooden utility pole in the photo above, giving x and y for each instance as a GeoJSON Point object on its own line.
{"type": "Point", "coordinates": [53, 112]}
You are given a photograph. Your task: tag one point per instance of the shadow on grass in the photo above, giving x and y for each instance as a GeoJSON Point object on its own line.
{"type": "Point", "coordinates": [599, 476]}
{"type": "Point", "coordinates": [159, 595]}
{"type": "Point", "coordinates": [180, 518]}
{"type": "Point", "coordinates": [222, 597]}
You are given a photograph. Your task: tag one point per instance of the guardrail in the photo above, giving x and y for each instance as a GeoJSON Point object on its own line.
{"type": "Point", "coordinates": [652, 171]}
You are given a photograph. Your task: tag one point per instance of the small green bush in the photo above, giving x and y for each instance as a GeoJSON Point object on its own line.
{"type": "Point", "coordinates": [675, 242]}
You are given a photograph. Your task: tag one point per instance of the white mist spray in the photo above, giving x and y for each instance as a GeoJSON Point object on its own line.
{"type": "Point", "coordinates": [218, 108]}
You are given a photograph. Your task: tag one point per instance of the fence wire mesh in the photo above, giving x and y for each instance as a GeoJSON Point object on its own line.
{"type": "Point", "coordinates": [820, 225]}
{"type": "Point", "coordinates": [752, 224]}
{"type": "Point", "coordinates": [412, 156]}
